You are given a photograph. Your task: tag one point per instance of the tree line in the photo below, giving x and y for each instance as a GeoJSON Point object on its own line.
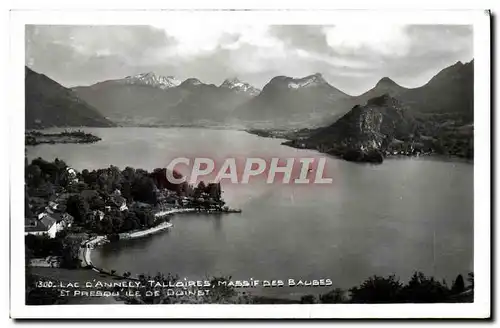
{"type": "Point", "coordinates": [92, 191]}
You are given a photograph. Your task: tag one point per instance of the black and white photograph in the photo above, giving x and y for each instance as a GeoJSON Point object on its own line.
{"type": "Point", "coordinates": [237, 158]}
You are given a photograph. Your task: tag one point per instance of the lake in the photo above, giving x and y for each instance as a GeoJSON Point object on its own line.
{"type": "Point", "coordinates": [404, 215]}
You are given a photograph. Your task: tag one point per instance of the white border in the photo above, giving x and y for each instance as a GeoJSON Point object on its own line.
{"type": "Point", "coordinates": [479, 309]}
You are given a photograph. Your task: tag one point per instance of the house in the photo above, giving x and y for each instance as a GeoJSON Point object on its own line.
{"type": "Point", "coordinates": [98, 214]}
{"type": "Point", "coordinates": [63, 220]}
{"type": "Point", "coordinates": [184, 201]}
{"type": "Point", "coordinates": [44, 226]}
{"type": "Point", "coordinates": [72, 176]}
{"type": "Point", "coordinates": [172, 201]}
{"type": "Point", "coordinates": [47, 262]}
{"type": "Point", "coordinates": [118, 201]}
{"type": "Point", "coordinates": [53, 205]}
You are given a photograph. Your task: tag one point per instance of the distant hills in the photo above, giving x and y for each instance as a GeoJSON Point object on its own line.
{"type": "Point", "coordinates": [49, 104]}
{"type": "Point", "coordinates": [312, 102]}
{"type": "Point", "coordinates": [284, 102]}
{"type": "Point", "coordinates": [450, 91]}
{"type": "Point", "coordinates": [161, 101]}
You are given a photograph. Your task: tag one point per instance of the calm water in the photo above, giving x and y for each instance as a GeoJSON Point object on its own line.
{"type": "Point", "coordinates": [404, 215]}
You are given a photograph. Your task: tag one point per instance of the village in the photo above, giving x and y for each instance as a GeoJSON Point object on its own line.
{"type": "Point", "coordinates": [66, 211]}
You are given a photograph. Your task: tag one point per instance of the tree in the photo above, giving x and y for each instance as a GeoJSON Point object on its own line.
{"type": "Point", "coordinates": [200, 189]}
{"type": "Point", "coordinates": [308, 299]}
{"type": "Point", "coordinates": [458, 285]}
{"type": "Point", "coordinates": [128, 174]}
{"type": "Point", "coordinates": [33, 175]}
{"type": "Point", "coordinates": [106, 225]}
{"type": "Point", "coordinates": [377, 290]}
{"type": "Point", "coordinates": [27, 209]}
{"type": "Point", "coordinates": [332, 297]}
{"type": "Point", "coordinates": [470, 279]}
{"type": "Point", "coordinates": [125, 190]}
{"type": "Point", "coordinates": [220, 292]}
{"type": "Point", "coordinates": [96, 203]}
{"type": "Point", "coordinates": [43, 246]}
{"type": "Point", "coordinates": [422, 289]}
{"type": "Point", "coordinates": [130, 221]}
{"type": "Point", "coordinates": [143, 190]}
{"type": "Point", "coordinates": [146, 218]}
{"type": "Point", "coordinates": [214, 190]}
{"type": "Point", "coordinates": [117, 223]}
{"type": "Point", "coordinates": [70, 253]}
{"type": "Point", "coordinates": [78, 208]}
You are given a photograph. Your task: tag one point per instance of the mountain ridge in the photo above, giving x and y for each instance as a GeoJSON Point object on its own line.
{"type": "Point", "coordinates": [284, 102]}
{"type": "Point", "coordinates": [240, 86]}
{"type": "Point", "coordinates": [49, 104]}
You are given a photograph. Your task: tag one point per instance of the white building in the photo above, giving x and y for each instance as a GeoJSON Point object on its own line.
{"type": "Point", "coordinates": [44, 226]}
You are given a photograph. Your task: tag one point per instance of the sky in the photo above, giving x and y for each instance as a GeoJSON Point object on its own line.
{"type": "Point", "coordinates": [350, 57]}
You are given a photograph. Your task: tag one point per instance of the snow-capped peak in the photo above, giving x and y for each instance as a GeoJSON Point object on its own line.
{"type": "Point", "coordinates": [151, 79]}
{"type": "Point", "coordinates": [237, 85]}
{"type": "Point", "coordinates": [308, 81]}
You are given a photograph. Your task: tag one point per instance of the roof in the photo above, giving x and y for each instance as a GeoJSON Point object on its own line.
{"type": "Point", "coordinates": [43, 224]}
{"type": "Point", "coordinates": [48, 221]}
{"type": "Point", "coordinates": [56, 216]}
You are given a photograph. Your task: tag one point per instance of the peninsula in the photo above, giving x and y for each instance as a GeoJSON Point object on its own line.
{"type": "Point", "coordinates": [33, 138]}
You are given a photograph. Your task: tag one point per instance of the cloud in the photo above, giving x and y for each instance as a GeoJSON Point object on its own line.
{"type": "Point", "coordinates": [77, 54]}
{"type": "Point", "coordinates": [351, 57]}
{"type": "Point", "coordinates": [376, 39]}
{"type": "Point", "coordinates": [304, 37]}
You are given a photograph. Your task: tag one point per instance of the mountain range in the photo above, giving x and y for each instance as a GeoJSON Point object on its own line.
{"type": "Point", "coordinates": [151, 79]}
{"type": "Point", "coordinates": [156, 100]}
{"type": "Point", "coordinates": [284, 102]}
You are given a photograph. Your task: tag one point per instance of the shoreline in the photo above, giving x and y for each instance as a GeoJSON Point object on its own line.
{"type": "Point", "coordinates": [87, 246]}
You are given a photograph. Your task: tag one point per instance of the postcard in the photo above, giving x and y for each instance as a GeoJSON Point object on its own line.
{"type": "Point", "coordinates": [250, 164]}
